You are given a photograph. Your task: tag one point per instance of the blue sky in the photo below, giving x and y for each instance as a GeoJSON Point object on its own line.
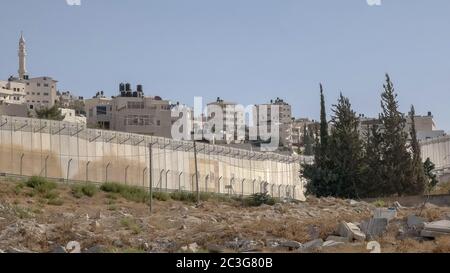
{"type": "Point", "coordinates": [248, 51]}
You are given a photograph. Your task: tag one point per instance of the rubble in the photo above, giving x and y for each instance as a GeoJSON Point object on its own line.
{"type": "Point", "coordinates": [338, 239]}
{"type": "Point", "coordinates": [415, 222]}
{"type": "Point", "coordinates": [313, 244]}
{"type": "Point", "coordinates": [351, 231]}
{"type": "Point", "coordinates": [291, 244]}
{"type": "Point", "coordinates": [374, 227]}
{"type": "Point", "coordinates": [387, 213]}
{"type": "Point", "coordinates": [332, 243]}
{"type": "Point", "coordinates": [436, 229]}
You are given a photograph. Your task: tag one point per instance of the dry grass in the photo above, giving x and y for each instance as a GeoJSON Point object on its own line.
{"type": "Point", "coordinates": [433, 214]}
{"type": "Point", "coordinates": [443, 245]}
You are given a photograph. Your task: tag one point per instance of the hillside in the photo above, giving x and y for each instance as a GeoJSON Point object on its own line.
{"type": "Point", "coordinates": [45, 218]}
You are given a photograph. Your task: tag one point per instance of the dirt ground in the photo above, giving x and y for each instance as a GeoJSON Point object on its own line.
{"type": "Point", "coordinates": [109, 223]}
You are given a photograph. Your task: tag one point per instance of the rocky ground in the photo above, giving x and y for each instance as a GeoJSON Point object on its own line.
{"type": "Point", "coordinates": [108, 223]}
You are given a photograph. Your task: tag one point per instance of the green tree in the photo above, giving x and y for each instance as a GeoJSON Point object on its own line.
{"type": "Point", "coordinates": [345, 151]}
{"type": "Point", "coordinates": [418, 180]}
{"type": "Point", "coordinates": [396, 158]}
{"type": "Point", "coordinates": [320, 179]}
{"type": "Point", "coordinates": [308, 141]}
{"type": "Point", "coordinates": [372, 172]}
{"type": "Point", "coordinates": [322, 148]}
{"type": "Point", "coordinates": [431, 178]}
{"type": "Point", "coordinates": [52, 113]}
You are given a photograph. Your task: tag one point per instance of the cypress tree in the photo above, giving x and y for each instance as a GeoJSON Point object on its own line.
{"type": "Point", "coordinates": [418, 179]}
{"type": "Point", "coordinates": [308, 141]}
{"type": "Point", "coordinates": [322, 148]}
{"type": "Point", "coordinates": [345, 150]}
{"type": "Point", "coordinates": [372, 183]}
{"type": "Point", "coordinates": [396, 158]}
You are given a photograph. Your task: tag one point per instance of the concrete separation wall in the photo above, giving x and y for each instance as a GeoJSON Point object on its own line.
{"type": "Point", "coordinates": [62, 150]}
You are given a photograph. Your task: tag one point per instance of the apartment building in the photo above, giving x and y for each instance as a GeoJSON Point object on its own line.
{"type": "Point", "coordinates": [298, 128]}
{"type": "Point", "coordinates": [12, 99]}
{"type": "Point", "coordinates": [284, 119]}
{"type": "Point", "coordinates": [233, 122]}
{"type": "Point", "coordinates": [425, 126]}
{"type": "Point", "coordinates": [130, 111]}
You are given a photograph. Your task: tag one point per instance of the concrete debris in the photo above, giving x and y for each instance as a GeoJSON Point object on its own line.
{"type": "Point", "coordinates": [353, 203]}
{"type": "Point", "coordinates": [415, 222]}
{"type": "Point", "coordinates": [374, 247]}
{"type": "Point", "coordinates": [388, 213]}
{"type": "Point", "coordinates": [436, 229]}
{"type": "Point", "coordinates": [338, 239]}
{"type": "Point", "coordinates": [332, 244]}
{"type": "Point", "coordinates": [73, 247]}
{"type": "Point", "coordinates": [351, 231]}
{"type": "Point", "coordinates": [313, 244]}
{"type": "Point", "coordinates": [374, 227]}
{"type": "Point", "coordinates": [291, 244]}
{"type": "Point", "coordinates": [398, 206]}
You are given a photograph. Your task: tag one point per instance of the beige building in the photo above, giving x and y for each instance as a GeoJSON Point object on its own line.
{"type": "Point", "coordinates": [298, 127]}
{"type": "Point", "coordinates": [285, 119]}
{"type": "Point", "coordinates": [12, 92]}
{"type": "Point", "coordinates": [98, 111]}
{"type": "Point", "coordinates": [70, 116]}
{"type": "Point", "coordinates": [233, 122]}
{"type": "Point", "coordinates": [130, 112]}
{"type": "Point", "coordinates": [425, 126]}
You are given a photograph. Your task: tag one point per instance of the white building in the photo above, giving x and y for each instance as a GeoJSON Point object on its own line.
{"type": "Point", "coordinates": [232, 119]}
{"type": "Point", "coordinates": [284, 121]}
{"type": "Point", "coordinates": [12, 92]}
{"type": "Point", "coordinates": [70, 116]}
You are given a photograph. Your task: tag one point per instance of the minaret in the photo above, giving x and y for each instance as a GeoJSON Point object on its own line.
{"type": "Point", "coordinates": [22, 58]}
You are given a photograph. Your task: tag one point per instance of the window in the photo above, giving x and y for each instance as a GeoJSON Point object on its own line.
{"type": "Point", "coordinates": [39, 85]}
{"type": "Point", "coordinates": [101, 110]}
{"type": "Point", "coordinates": [31, 106]}
{"type": "Point", "coordinates": [38, 94]}
{"type": "Point", "coordinates": [158, 123]}
{"type": "Point", "coordinates": [45, 94]}
{"type": "Point", "coordinates": [45, 84]}
{"type": "Point", "coordinates": [135, 105]}
{"type": "Point", "coordinates": [33, 93]}
{"type": "Point", "coordinates": [28, 93]}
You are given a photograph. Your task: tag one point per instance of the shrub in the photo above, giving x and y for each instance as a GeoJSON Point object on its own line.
{"type": "Point", "coordinates": [130, 224]}
{"type": "Point", "coordinates": [379, 204]}
{"type": "Point", "coordinates": [183, 196]}
{"type": "Point", "coordinates": [87, 189]}
{"type": "Point", "coordinates": [41, 184]}
{"type": "Point", "coordinates": [51, 195]}
{"type": "Point", "coordinates": [130, 193]}
{"type": "Point", "coordinates": [259, 199]}
{"type": "Point", "coordinates": [161, 196]}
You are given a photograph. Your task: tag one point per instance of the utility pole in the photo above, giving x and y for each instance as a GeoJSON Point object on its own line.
{"type": "Point", "coordinates": [150, 173]}
{"type": "Point", "coordinates": [196, 173]}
